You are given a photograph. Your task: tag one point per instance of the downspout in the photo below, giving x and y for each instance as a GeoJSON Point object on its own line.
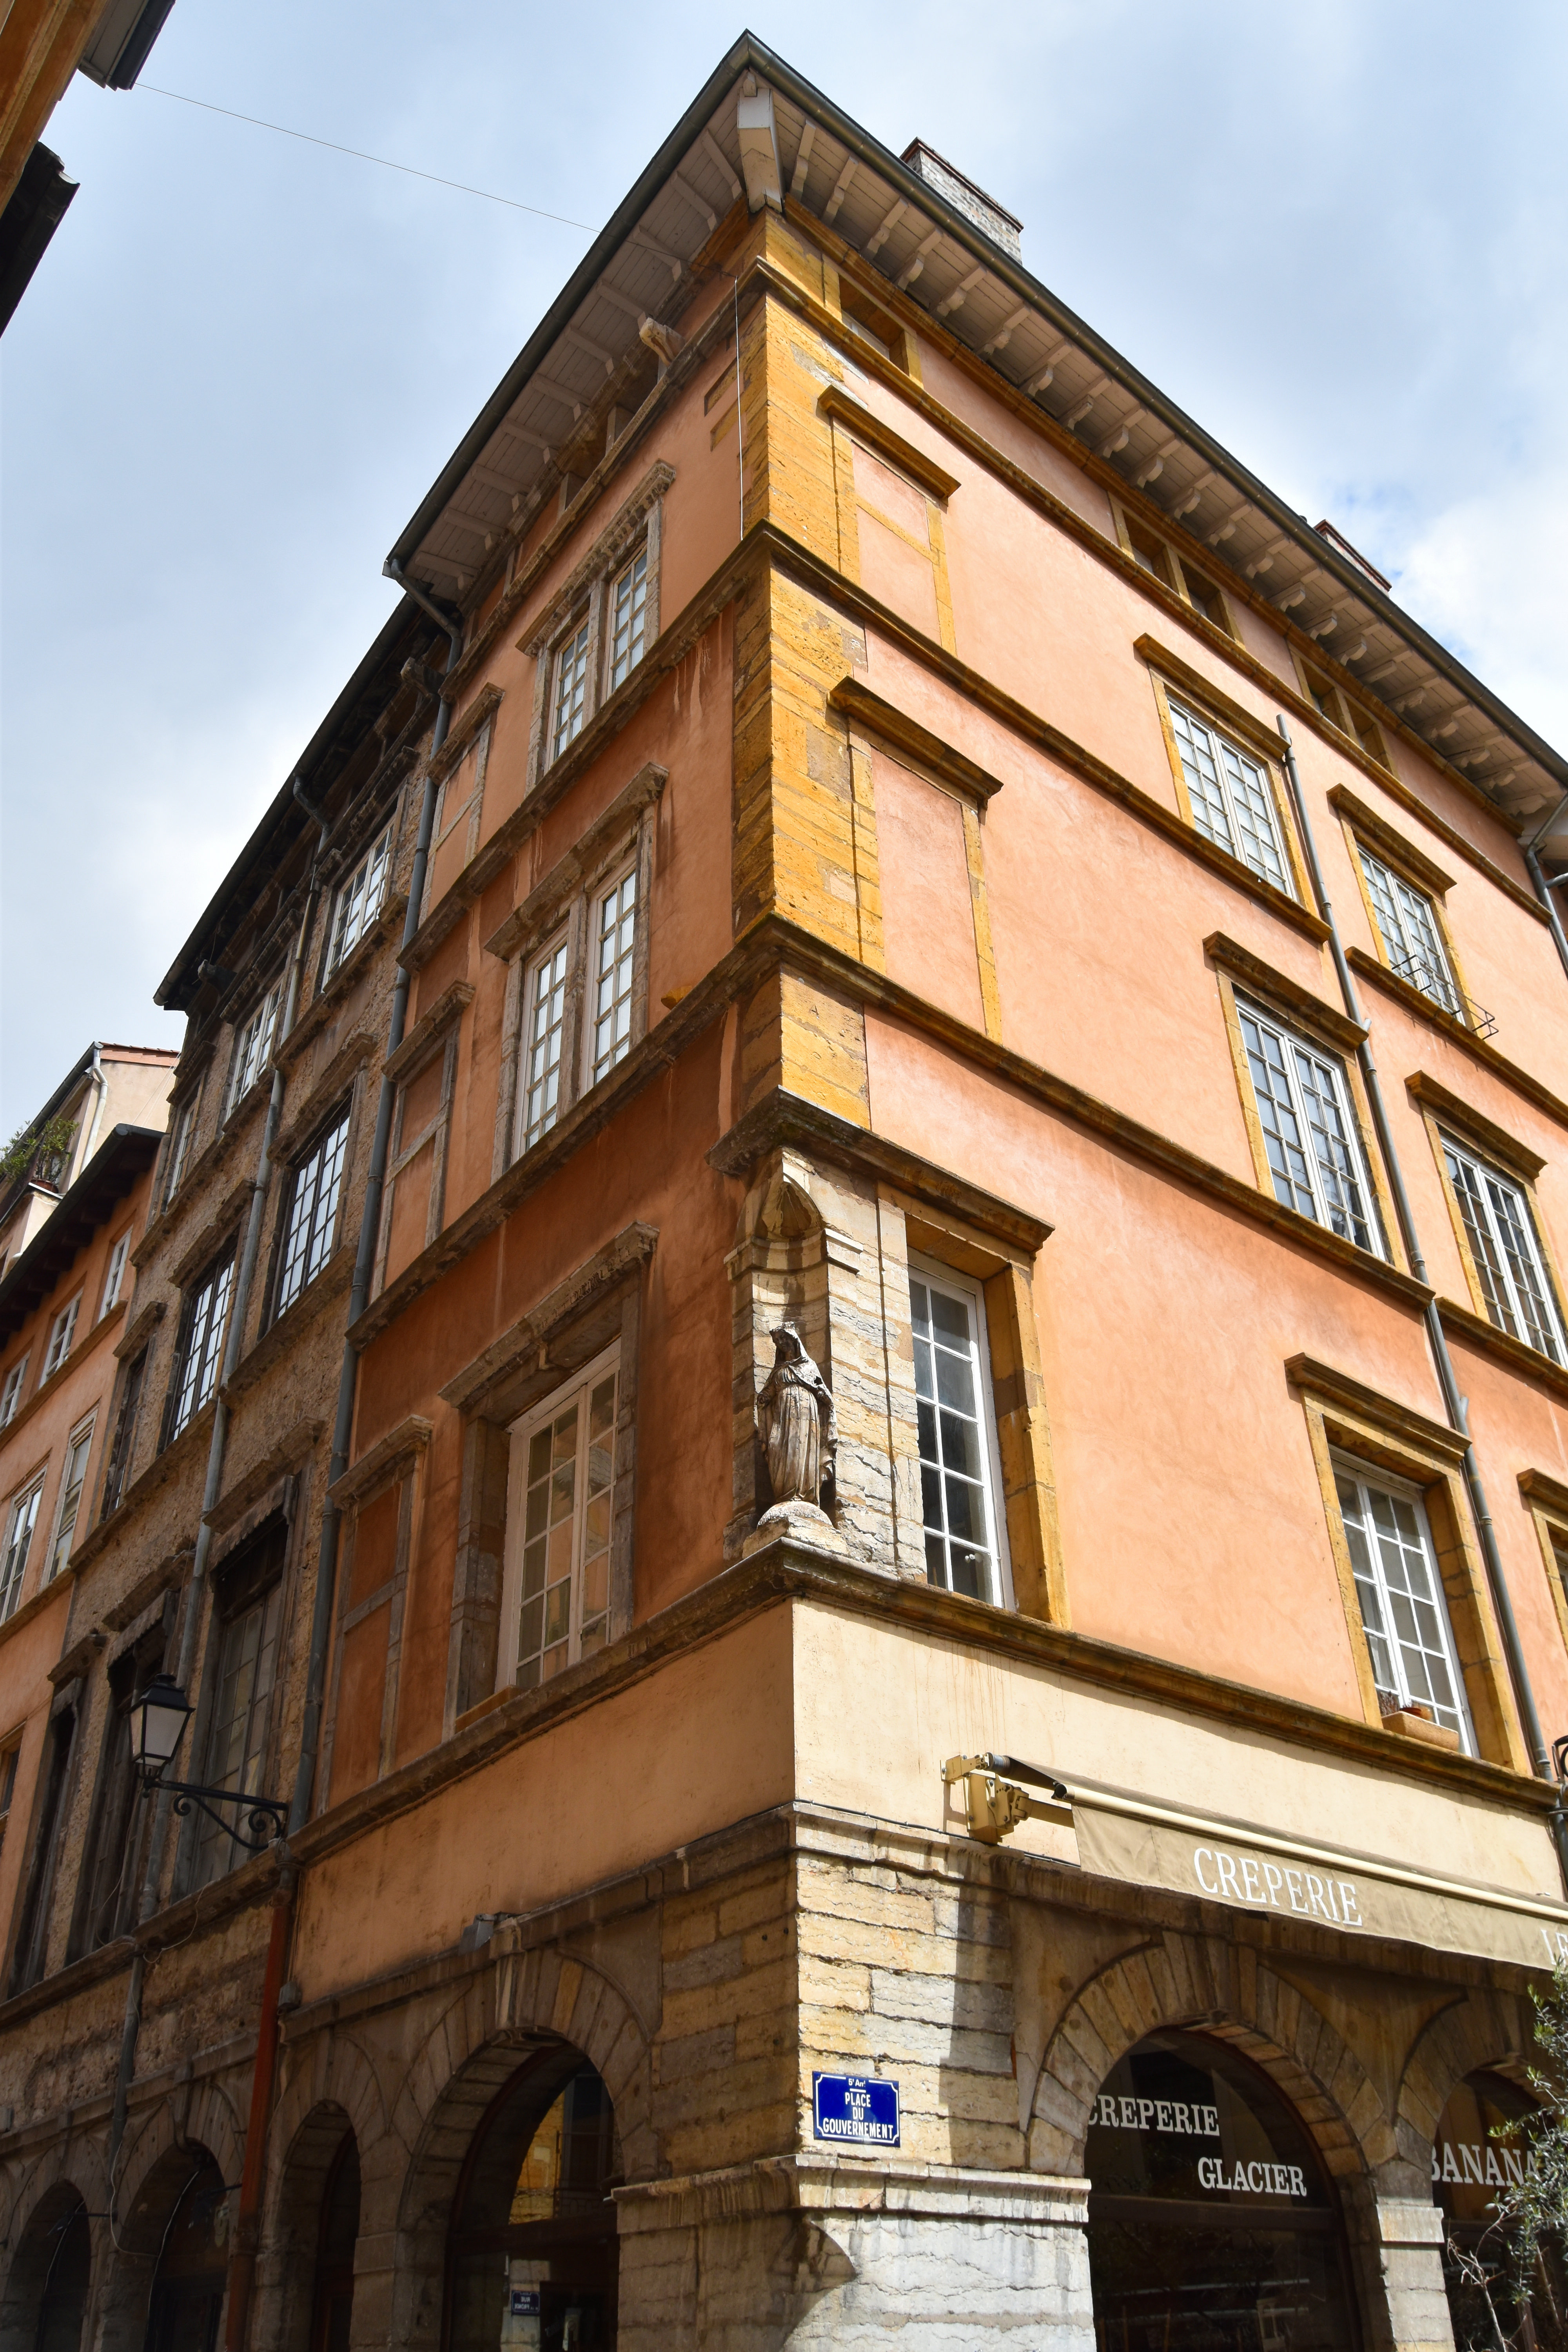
{"type": "Point", "coordinates": [1454, 1403]}
{"type": "Point", "coordinates": [1543, 888]}
{"type": "Point", "coordinates": [365, 1258]}
{"type": "Point", "coordinates": [210, 1490]}
{"type": "Point", "coordinates": [101, 1095]}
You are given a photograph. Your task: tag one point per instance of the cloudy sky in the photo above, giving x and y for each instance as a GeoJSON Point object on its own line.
{"type": "Point", "coordinates": [1334, 235]}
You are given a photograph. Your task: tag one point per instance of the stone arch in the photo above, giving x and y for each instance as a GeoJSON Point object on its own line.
{"type": "Point", "coordinates": [1224, 1989]}
{"type": "Point", "coordinates": [1490, 2029]}
{"type": "Point", "coordinates": [285, 2279]}
{"type": "Point", "coordinates": [177, 2129]}
{"type": "Point", "coordinates": [38, 2245]}
{"type": "Point", "coordinates": [524, 2001]}
{"type": "Point", "coordinates": [160, 2167]}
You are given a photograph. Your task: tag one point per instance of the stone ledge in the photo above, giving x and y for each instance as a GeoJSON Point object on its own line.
{"type": "Point", "coordinates": [834, 2183]}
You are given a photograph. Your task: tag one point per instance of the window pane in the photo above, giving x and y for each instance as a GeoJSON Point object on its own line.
{"type": "Point", "coordinates": [18, 1541]}
{"type": "Point", "coordinates": [1329, 1132]}
{"type": "Point", "coordinates": [196, 1367]}
{"type": "Point", "coordinates": [236, 1742]}
{"type": "Point", "coordinates": [566, 1508]}
{"type": "Point", "coordinates": [616, 935]}
{"type": "Point", "coordinates": [1254, 808]}
{"type": "Point", "coordinates": [570, 690]}
{"type": "Point", "coordinates": [312, 1214]}
{"type": "Point", "coordinates": [358, 900]}
{"type": "Point", "coordinates": [955, 1498]}
{"type": "Point", "coordinates": [1515, 1286]}
{"type": "Point", "coordinates": [1510, 1216]}
{"type": "Point", "coordinates": [546, 1034]}
{"type": "Point", "coordinates": [1231, 797]}
{"type": "Point", "coordinates": [1404, 1608]}
{"type": "Point", "coordinates": [1410, 936]}
{"type": "Point", "coordinates": [1277, 1115]}
{"type": "Point", "coordinates": [1196, 745]}
{"type": "Point", "coordinates": [628, 618]}
{"type": "Point", "coordinates": [71, 1481]}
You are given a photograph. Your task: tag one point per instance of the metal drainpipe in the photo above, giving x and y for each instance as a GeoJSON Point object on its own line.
{"type": "Point", "coordinates": [1543, 888]}
{"type": "Point", "coordinates": [214, 1479]}
{"type": "Point", "coordinates": [364, 1258]}
{"type": "Point", "coordinates": [1454, 1403]}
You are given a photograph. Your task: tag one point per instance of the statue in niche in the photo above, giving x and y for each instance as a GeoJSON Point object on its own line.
{"type": "Point", "coordinates": [800, 1439]}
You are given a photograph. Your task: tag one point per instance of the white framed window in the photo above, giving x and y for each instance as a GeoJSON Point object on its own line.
{"type": "Point", "coordinates": [1506, 1251]}
{"type": "Point", "coordinates": [544, 1043]}
{"type": "Point", "coordinates": [11, 1389]}
{"type": "Point", "coordinates": [253, 1047]}
{"type": "Point", "coordinates": [200, 1349]}
{"type": "Point", "coordinates": [182, 1135]}
{"type": "Point", "coordinates": [961, 1470]}
{"type": "Point", "coordinates": [359, 902]}
{"type": "Point", "coordinates": [569, 699]}
{"type": "Point", "coordinates": [1404, 1608]}
{"type": "Point", "coordinates": [559, 1503]}
{"type": "Point", "coordinates": [19, 1526]}
{"type": "Point", "coordinates": [614, 961]}
{"type": "Point", "coordinates": [312, 1218]}
{"type": "Point", "coordinates": [73, 1477]}
{"type": "Point", "coordinates": [628, 617]}
{"type": "Point", "coordinates": [114, 1274]}
{"type": "Point", "coordinates": [1231, 796]}
{"type": "Point", "coordinates": [62, 1331]}
{"type": "Point", "coordinates": [1308, 1131]}
{"type": "Point", "coordinates": [1411, 938]}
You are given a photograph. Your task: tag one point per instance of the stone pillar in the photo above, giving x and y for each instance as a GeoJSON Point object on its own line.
{"type": "Point", "coordinates": [840, 2250]}
{"type": "Point", "coordinates": [1397, 2248]}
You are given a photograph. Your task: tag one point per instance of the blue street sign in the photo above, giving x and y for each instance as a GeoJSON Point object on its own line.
{"type": "Point", "coordinates": [862, 2108]}
{"type": "Point", "coordinates": [525, 2302]}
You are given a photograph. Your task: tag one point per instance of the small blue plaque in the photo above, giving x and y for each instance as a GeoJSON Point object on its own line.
{"type": "Point", "coordinates": [525, 2302]}
{"type": "Point", "coordinates": [860, 2108]}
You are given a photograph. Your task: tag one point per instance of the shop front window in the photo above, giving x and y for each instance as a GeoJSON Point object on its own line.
{"type": "Point", "coordinates": [533, 2242]}
{"type": "Point", "coordinates": [1478, 2152]}
{"type": "Point", "coordinates": [1211, 2224]}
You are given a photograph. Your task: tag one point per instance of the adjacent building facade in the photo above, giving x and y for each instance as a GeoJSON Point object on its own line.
{"type": "Point", "coordinates": [850, 1372]}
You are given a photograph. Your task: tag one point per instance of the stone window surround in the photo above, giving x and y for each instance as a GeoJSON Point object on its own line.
{"type": "Point", "coordinates": [440, 1031]}
{"type": "Point", "coordinates": [872, 1202]}
{"type": "Point", "coordinates": [1344, 1416]}
{"type": "Point", "coordinates": [342, 1079]}
{"type": "Point", "coordinates": [596, 1306]}
{"type": "Point", "coordinates": [585, 590]}
{"type": "Point", "coordinates": [1546, 1500]}
{"type": "Point", "coordinates": [474, 732]}
{"type": "Point", "coordinates": [1214, 707]}
{"type": "Point", "coordinates": [395, 1460]}
{"type": "Point", "coordinates": [624, 832]}
{"type": "Point", "coordinates": [1515, 1160]}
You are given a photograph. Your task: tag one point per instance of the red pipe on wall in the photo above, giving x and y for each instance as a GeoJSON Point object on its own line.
{"type": "Point", "coordinates": [247, 2224]}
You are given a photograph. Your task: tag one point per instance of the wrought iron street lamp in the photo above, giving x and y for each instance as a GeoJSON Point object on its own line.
{"type": "Point", "coordinates": [158, 1721]}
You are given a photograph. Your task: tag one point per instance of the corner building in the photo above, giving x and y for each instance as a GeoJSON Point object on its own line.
{"type": "Point", "coordinates": [1058, 1838]}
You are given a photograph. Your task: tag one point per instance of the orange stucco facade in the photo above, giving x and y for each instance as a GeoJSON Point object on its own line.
{"type": "Point", "coordinates": [762, 883]}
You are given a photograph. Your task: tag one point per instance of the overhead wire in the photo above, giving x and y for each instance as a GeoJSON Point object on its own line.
{"type": "Point", "coordinates": [361, 156]}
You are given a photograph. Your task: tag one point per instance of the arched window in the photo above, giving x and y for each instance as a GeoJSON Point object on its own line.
{"type": "Point", "coordinates": [1471, 2167]}
{"type": "Point", "coordinates": [333, 2309]}
{"type": "Point", "coordinates": [45, 2291]}
{"type": "Point", "coordinates": [1212, 2223]}
{"type": "Point", "coordinates": [188, 2284]}
{"type": "Point", "coordinates": [532, 2250]}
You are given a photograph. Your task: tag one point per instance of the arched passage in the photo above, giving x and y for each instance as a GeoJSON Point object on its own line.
{"type": "Point", "coordinates": [46, 2287]}
{"type": "Point", "coordinates": [190, 2275]}
{"type": "Point", "coordinates": [532, 2234]}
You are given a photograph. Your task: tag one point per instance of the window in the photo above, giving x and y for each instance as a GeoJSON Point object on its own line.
{"type": "Point", "coordinates": [545, 1042]}
{"type": "Point", "coordinates": [1403, 1606]}
{"type": "Point", "coordinates": [615, 940]}
{"type": "Point", "coordinates": [1337, 708]}
{"type": "Point", "coordinates": [313, 1213]}
{"type": "Point", "coordinates": [9, 1759]}
{"type": "Point", "coordinates": [570, 704]}
{"type": "Point", "coordinates": [359, 902]}
{"type": "Point", "coordinates": [200, 1346]}
{"type": "Point", "coordinates": [253, 1047]}
{"type": "Point", "coordinates": [11, 1389]}
{"type": "Point", "coordinates": [181, 1134]}
{"type": "Point", "coordinates": [1169, 567]}
{"type": "Point", "coordinates": [628, 617]}
{"type": "Point", "coordinates": [109, 1886]}
{"type": "Point", "coordinates": [19, 1528]}
{"type": "Point", "coordinates": [62, 1331]}
{"type": "Point", "coordinates": [236, 1741]}
{"type": "Point", "coordinates": [1231, 797]}
{"type": "Point", "coordinates": [72, 1479]}
{"type": "Point", "coordinates": [122, 1445]}
{"type": "Point", "coordinates": [1407, 921]}
{"type": "Point", "coordinates": [115, 1273]}
{"type": "Point", "coordinates": [562, 1498]}
{"type": "Point", "coordinates": [1505, 1253]}
{"type": "Point", "coordinates": [960, 1475]}
{"type": "Point", "coordinates": [1308, 1133]}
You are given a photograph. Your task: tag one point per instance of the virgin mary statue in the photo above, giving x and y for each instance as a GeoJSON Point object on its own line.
{"type": "Point", "coordinates": [800, 1437]}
